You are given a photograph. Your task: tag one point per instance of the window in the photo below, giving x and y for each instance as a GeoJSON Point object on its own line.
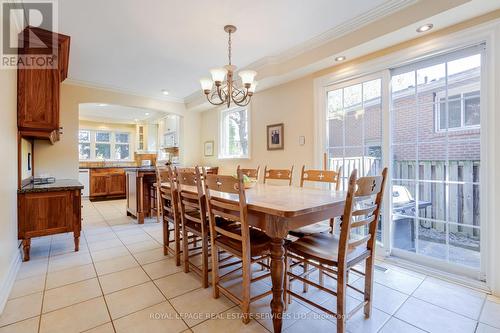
{"type": "Point", "coordinates": [234, 133]}
{"type": "Point", "coordinates": [100, 145]}
{"type": "Point", "coordinates": [103, 145]}
{"type": "Point", "coordinates": [84, 145]}
{"type": "Point", "coordinates": [463, 109]}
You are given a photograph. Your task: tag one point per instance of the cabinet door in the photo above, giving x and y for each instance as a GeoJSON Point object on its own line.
{"type": "Point", "coordinates": [45, 213]}
{"type": "Point", "coordinates": [38, 99]}
{"type": "Point", "coordinates": [98, 184]}
{"type": "Point", "coordinates": [116, 184]}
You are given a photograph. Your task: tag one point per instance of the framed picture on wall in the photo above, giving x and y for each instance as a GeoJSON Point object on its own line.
{"type": "Point", "coordinates": [209, 148]}
{"type": "Point", "coordinates": [275, 137]}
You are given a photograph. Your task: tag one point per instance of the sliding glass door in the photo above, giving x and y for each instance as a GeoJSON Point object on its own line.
{"type": "Point", "coordinates": [423, 120]}
{"type": "Point", "coordinates": [435, 118]}
{"type": "Point", "coordinates": [354, 128]}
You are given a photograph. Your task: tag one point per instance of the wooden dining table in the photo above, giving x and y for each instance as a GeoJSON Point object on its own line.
{"type": "Point", "coordinates": [279, 209]}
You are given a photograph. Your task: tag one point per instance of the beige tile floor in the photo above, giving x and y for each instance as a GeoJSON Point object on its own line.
{"type": "Point", "coordinates": [120, 281]}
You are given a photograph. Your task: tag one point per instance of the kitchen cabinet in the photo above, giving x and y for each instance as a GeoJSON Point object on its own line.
{"type": "Point", "coordinates": [38, 90]}
{"type": "Point", "coordinates": [49, 209]}
{"type": "Point", "coordinates": [107, 183]}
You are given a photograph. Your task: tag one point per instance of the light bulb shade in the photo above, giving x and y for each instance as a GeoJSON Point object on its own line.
{"type": "Point", "coordinates": [218, 74]}
{"type": "Point", "coordinates": [206, 84]}
{"type": "Point", "coordinates": [252, 87]}
{"type": "Point", "coordinates": [247, 76]}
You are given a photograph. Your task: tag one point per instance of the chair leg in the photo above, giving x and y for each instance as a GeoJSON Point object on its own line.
{"type": "Point", "coordinates": [368, 286]}
{"type": "Point", "coordinates": [305, 286]}
{"type": "Point", "coordinates": [166, 238]}
{"type": "Point", "coordinates": [185, 249]}
{"type": "Point", "coordinates": [215, 269]}
{"type": "Point", "coordinates": [286, 286]}
{"type": "Point", "coordinates": [321, 278]}
{"type": "Point", "coordinates": [245, 300]}
{"type": "Point", "coordinates": [177, 239]}
{"type": "Point", "coordinates": [204, 255]}
{"type": "Point", "coordinates": [341, 300]}
{"type": "Point", "coordinates": [159, 210]}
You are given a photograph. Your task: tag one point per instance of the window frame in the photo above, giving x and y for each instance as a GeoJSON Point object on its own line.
{"type": "Point", "coordinates": [222, 133]}
{"type": "Point", "coordinates": [112, 143]}
{"type": "Point", "coordinates": [462, 90]}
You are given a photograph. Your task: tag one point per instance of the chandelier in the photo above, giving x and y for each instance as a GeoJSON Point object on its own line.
{"type": "Point", "coordinates": [225, 90]}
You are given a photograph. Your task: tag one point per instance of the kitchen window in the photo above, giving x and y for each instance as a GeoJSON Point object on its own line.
{"type": "Point", "coordinates": [103, 145]}
{"type": "Point", "coordinates": [234, 133]}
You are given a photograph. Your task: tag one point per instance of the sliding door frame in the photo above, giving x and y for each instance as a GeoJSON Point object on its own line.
{"type": "Point", "coordinates": [379, 68]}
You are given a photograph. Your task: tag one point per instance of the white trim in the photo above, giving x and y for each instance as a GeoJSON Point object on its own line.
{"type": "Point", "coordinates": [118, 90]}
{"type": "Point", "coordinates": [8, 282]}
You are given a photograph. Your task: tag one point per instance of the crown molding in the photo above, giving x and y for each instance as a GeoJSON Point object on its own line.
{"type": "Point", "coordinates": [119, 90]}
{"type": "Point", "coordinates": [387, 8]}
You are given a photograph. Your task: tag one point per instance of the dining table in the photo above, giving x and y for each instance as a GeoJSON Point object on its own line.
{"type": "Point", "coordinates": [279, 209]}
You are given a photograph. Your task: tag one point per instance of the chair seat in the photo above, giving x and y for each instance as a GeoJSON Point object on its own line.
{"type": "Point", "coordinates": [324, 247]}
{"type": "Point", "coordinates": [316, 228]}
{"type": "Point", "coordinates": [259, 241]}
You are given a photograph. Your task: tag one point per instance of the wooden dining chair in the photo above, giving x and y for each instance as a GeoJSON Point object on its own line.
{"type": "Point", "coordinates": [170, 212]}
{"type": "Point", "coordinates": [248, 244]}
{"type": "Point", "coordinates": [323, 177]}
{"type": "Point", "coordinates": [250, 173]}
{"type": "Point", "coordinates": [194, 221]}
{"type": "Point", "coordinates": [335, 255]}
{"type": "Point", "coordinates": [278, 174]}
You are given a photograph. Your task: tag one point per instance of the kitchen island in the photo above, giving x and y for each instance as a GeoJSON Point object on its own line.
{"type": "Point", "coordinates": [140, 192]}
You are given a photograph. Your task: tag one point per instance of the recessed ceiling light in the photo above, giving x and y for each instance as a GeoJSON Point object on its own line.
{"type": "Point", "coordinates": [164, 92]}
{"type": "Point", "coordinates": [340, 58]}
{"type": "Point", "coordinates": [102, 104]}
{"type": "Point", "coordinates": [425, 27]}
{"type": "Point", "coordinates": [146, 114]}
{"type": "Point", "coordinates": [136, 120]}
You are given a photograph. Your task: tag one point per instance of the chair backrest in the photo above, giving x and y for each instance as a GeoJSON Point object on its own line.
{"type": "Point", "coordinates": [250, 173]}
{"type": "Point", "coordinates": [278, 174]}
{"type": "Point", "coordinates": [362, 210]}
{"type": "Point", "coordinates": [168, 192]}
{"type": "Point", "coordinates": [191, 196]}
{"type": "Point", "coordinates": [321, 176]}
{"type": "Point", "coordinates": [230, 210]}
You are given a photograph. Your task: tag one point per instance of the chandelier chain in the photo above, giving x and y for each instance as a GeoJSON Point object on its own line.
{"type": "Point", "coordinates": [229, 47]}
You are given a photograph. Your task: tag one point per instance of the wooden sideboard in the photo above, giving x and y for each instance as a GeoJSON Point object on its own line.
{"type": "Point", "coordinates": [49, 209]}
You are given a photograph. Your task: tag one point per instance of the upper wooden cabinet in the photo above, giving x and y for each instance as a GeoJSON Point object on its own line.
{"type": "Point", "coordinates": [38, 90]}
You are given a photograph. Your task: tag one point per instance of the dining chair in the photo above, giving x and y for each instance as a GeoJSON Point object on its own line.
{"type": "Point", "coordinates": [322, 177]}
{"type": "Point", "coordinates": [336, 255]}
{"type": "Point", "coordinates": [194, 221]}
{"type": "Point", "coordinates": [170, 212]}
{"type": "Point", "coordinates": [250, 173]}
{"type": "Point", "coordinates": [248, 244]}
{"type": "Point", "coordinates": [278, 174]}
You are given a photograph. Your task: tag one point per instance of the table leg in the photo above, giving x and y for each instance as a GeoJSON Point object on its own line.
{"type": "Point", "coordinates": [277, 265]}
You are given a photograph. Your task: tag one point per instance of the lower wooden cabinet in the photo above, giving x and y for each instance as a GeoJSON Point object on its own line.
{"type": "Point", "coordinates": [107, 182]}
{"type": "Point", "coordinates": [48, 213]}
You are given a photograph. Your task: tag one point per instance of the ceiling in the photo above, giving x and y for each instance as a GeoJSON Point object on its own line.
{"type": "Point", "coordinates": [110, 113]}
{"type": "Point", "coordinates": [143, 47]}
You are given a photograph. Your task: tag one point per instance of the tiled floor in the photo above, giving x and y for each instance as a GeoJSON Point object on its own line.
{"type": "Point", "coordinates": [121, 282]}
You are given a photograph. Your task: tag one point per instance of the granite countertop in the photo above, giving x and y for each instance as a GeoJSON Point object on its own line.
{"type": "Point", "coordinates": [111, 167]}
{"type": "Point", "coordinates": [58, 185]}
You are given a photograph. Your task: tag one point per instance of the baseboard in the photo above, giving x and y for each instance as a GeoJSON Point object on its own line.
{"type": "Point", "coordinates": [8, 282]}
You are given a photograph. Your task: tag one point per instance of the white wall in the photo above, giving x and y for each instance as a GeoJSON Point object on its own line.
{"type": "Point", "coordinates": [9, 255]}
{"type": "Point", "coordinates": [291, 104]}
